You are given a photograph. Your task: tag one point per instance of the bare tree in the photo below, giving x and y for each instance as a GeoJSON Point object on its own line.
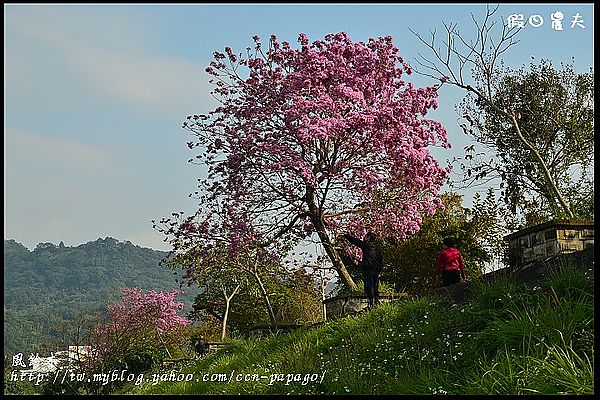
{"type": "Point", "coordinates": [500, 122]}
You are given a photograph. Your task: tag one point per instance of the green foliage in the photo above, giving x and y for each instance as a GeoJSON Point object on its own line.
{"type": "Point", "coordinates": [135, 337]}
{"type": "Point", "coordinates": [296, 299]}
{"type": "Point", "coordinates": [17, 387]}
{"type": "Point", "coordinates": [49, 287]}
{"type": "Point", "coordinates": [560, 308]}
{"type": "Point", "coordinates": [566, 283]}
{"type": "Point", "coordinates": [271, 294]}
{"type": "Point", "coordinates": [552, 369]}
{"type": "Point", "coordinates": [384, 289]}
{"type": "Point", "coordinates": [540, 125]}
{"type": "Point", "coordinates": [509, 340]}
{"type": "Point", "coordinates": [138, 350]}
{"type": "Point", "coordinates": [293, 296]}
{"type": "Point", "coordinates": [410, 266]}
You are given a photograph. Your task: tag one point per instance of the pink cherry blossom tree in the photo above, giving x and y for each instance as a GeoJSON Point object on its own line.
{"type": "Point", "coordinates": [229, 253]}
{"type": "Point", "coordinates": [312, 141]}
{"type": "Point", "coordinates": [136, 324]}
{"type": "Point", "coordinates": [155, 310]}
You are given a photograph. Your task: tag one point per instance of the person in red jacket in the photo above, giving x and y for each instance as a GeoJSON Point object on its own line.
{"type": "Point", "coordinates": [450, 264]}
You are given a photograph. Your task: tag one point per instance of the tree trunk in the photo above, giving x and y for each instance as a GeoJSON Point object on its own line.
{"type": "Point", "coordinates": [549, 180]}
{"type": "Point", "coordinates": [316, 217]}
{"type": "Point", "coordinates": [266, 297]}
{"type": "Point", "coordinates": [163, 343]}
{"type": "Point", "coordinates": [317, 221]}
{"type": "Point", "coordinates": [323, 286]}
{"type": "Point", "coordinates": [335, 258]}
{"type": "Point", "coordinates": [226, 313]}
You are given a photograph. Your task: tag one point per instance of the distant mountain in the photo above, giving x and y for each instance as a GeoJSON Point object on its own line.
{"type": "Point", "coordinates": [53, 284]}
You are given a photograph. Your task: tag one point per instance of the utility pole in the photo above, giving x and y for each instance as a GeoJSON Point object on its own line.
{"type": "Point", "coordinates": [323, 285]}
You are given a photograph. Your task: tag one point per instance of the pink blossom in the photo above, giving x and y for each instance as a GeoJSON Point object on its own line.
{"type": "Point", "coordinates": [309, 134]}
{"type": "Point", "coordinates": [151, 312]}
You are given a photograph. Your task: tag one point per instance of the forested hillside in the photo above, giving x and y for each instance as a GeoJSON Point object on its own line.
{"type": "Point", "coordinates": [51, 285]}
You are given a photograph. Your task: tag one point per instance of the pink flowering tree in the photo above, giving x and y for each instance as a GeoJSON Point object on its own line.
{"type": "Point", "coordinates": [229, 255]}
{"type": "Point", "coordinates": [141, 329]}
{"type": "Point", "coordinates": [308, 142]}
{"type": "Point", "coordinates": [139, 310]}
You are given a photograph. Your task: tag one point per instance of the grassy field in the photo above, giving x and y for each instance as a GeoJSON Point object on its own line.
{"type": "Point", "coordinates": [506, 340]}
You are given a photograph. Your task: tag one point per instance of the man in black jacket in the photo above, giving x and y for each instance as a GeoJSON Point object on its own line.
{"type": "Point", "coordinates": [371, 264]}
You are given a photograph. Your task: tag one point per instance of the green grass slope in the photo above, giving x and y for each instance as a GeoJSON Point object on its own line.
{"type": "Point", "coordinates": [508, 339]}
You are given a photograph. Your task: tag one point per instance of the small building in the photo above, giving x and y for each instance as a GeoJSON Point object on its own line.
{"type": "Point", "coordinates": [549, 239]}
{"type": "Point", "coordinates": [79, 353]}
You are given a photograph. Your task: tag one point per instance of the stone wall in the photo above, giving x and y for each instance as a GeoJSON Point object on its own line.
{"type": "Point", "coordinates": [352, 305]}
{"type": "Point", "coordinates": [261, 331]}
{"type": "Point", "coordinates": [549, 239]}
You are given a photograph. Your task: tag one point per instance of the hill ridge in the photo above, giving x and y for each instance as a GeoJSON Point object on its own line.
{"type": "Point", "coordinates": [54, 283]}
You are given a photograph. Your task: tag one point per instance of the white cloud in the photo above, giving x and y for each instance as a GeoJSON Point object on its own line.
{"type": "Point", "coordinates": [59, 188]}
{"type": "Point", "coordinates": [44, 152]}
{"type": "Point", "coordinates": [63, 189]}
{"type": "Point", "coordinates": [95, 52]}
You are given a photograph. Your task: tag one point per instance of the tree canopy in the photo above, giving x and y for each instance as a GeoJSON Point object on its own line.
{"type": "Point", "coordinates": [548, 150]}
{"type": "Point", "coordinates": [536, 126]}
{"type": "Point", "coordinates": [476, 230]}
{"type": "Point", "coordinates": [310, 141]}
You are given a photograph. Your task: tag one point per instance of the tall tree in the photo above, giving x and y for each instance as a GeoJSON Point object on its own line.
{"type": "Point", "coordinates": [548, 151]}
{"type": "Point", "coordinates": [214, 304]}
{"type": "Point", "coordinates": [223, 275]}
{"type": "Point", "coordinates": [292, 295]}
{"type": "Point", "coordinates": [538, 124]}
{"type": "Point", "coordinates": [222, 250]}
{"type": "Point", "coordinates": [328, 136]}
{"type": "Point", "coordinates": [477, 231]}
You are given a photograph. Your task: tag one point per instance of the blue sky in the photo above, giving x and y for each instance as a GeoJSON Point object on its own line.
{"type": "Point", "coordinates": [95, 96]}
